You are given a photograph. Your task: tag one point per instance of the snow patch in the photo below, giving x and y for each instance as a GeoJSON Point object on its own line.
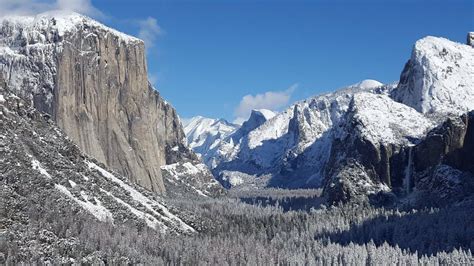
{"type": "Point", "coordinates": [368, 84]}
{"type": "Point", "coordinates": [37, 166]}
{"type": "Point", "coordinates": [149, 219]}
{"type": "Point", "coordinates": [139, 197]}
{"type": "Point", "coordinates": [63, 22]}
{"type": "Point", "coordinates": [99, 211]}
{"type": "Point", "coordinates": [265, 113]}
{"type": "Point", "coordinates": [72, 183]}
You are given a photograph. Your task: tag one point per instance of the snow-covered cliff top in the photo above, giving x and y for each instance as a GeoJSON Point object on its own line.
{"type": "Point", "coordinates": [61, 22]}
{"type": "Point", "coordinates": [382, 120]}
{"type": "Point", "coordinates": [439, 78]}
{"type": "Point", "coordinates": [265, 113]}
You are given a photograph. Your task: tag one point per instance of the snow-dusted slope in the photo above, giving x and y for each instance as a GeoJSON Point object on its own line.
{"type": "Point", "coordinates": [257, 118]}
{"type": "Point", "coordinates": [216, 139]}
{"type": "Point", "coordinates": [381, 120]}
{"type": "Point", "coordinates": [438, 78]}
{"type": "Point", "coordinates": [40, 165]}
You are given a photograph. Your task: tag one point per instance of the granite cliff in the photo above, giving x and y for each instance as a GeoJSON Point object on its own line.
{"type": "Point", "coordinates": [92, 81]}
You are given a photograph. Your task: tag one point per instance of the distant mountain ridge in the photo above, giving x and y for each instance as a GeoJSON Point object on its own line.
{"type": "Point", "coordinates": [357, 140]}
{"type": "Point", "coordinates": [203, 134]}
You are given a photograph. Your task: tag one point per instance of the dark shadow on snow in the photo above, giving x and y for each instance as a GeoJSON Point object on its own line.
{"type": "Point", "coordinates": [424, 232]}
{"type": "Point", "coordinates": [287, 204]}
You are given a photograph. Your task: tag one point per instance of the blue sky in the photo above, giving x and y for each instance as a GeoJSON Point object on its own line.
{"type": "Point", "coordinates": [205, 56]}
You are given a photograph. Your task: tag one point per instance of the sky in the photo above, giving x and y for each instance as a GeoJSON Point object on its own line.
{"type": "Point", "coordinates": [221, 59]}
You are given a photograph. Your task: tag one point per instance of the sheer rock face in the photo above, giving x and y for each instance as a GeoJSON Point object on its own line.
{"type": "Point", "coordinates": [373, 143]}
{"type": "Point", "coordinates": [93, 81]}
{"type": "Point", "coordinates": [43, 171]}
{"type": "Point", "coordinates": [417, 139]}
{"type": "Point", "coordinates": [127, 125]}
{"type": "Point", "coordinates": [452, 143]}
{"type": "Point", "coordinates": [439, 167]}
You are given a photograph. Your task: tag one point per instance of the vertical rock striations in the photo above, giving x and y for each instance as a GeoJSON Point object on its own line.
{"type": "Point", "coordinates": [92, 80]}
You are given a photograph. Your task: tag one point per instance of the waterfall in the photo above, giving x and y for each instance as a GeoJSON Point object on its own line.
{"type": "Point", "coordinates": [408, 170]}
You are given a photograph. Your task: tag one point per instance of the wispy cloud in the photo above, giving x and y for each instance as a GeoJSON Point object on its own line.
{"type": "Point", "coordinates": [153, 78]}
{"type": "Point", "coordinates": [149, 31]}
{"type": "Point", "coordinates": [271, 100]}
{"type": "Point", "coordinates": [32, 7]}
{"type": "Point", "coordinates": [81, 6]}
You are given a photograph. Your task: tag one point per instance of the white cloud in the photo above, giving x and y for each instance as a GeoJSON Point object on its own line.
{"type": "Point", "coordinates": [149, 31]}
{"type": "Point", "coordinates": [32, 7]}
{"type": "Point", "coordinates": [271, 100]}
{"type": "Point", "coordinates": [80, 6]}
{"type": "Point", "coordinates": [239, 120]}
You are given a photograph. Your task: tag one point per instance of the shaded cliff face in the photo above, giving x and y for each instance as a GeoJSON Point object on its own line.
{"type": "Point", "coordinates": [93, 81]}
{"type": "Point", "coordinates": [368, 153]}
{"type": "Point", "coordinates": [416, 141]}
{"type": "Point", "coordinates": [437, 169]}
{"type": "Point", "coordinates": [443, 165]}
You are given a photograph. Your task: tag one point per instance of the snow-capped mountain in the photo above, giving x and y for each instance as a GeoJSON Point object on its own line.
{"type": "Point", "coordinates": [204, 133]}
{"type": "Point", "coordinates": [211, 137]}
{"type": "Point", "coordinates": [271, 147]}
{"type": "Point", "coordinates": [365, 138]}
{"type": "Point", "coordinates": [92, 81]}
{"type": "Point", "coordinates": [438, 78]}
{"type": "Point", "coordinates": [256, 119]}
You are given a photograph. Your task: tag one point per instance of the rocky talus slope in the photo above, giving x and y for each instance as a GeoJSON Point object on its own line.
{"type": "Point", "coordinates": [92, 81]}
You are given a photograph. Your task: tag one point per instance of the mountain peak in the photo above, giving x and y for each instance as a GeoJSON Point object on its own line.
{"type": "Point", "coordinates": [267, 114]}
{"type": "Point", "coordinates": [438, 77]}
{"type": "Point", "coordinates": [203, 133]}
{"type": "Point", "coordinates": [62, 22]}
{"type": "Point", "coordinates": [368, 84]}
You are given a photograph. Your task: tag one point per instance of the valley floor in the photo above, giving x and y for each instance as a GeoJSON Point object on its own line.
{"type": "Point", "coordinates": [233, 233]}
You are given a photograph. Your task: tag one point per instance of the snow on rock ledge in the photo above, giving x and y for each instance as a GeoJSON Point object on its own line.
{"type": "Point", "coordinates": [190, 179]}
{"type": "Point", "coordinates": [382, 120]}
{"type": "Point", "coordinates": [59, 21]}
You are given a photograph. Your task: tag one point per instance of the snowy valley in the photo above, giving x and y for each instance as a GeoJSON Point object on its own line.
{"type": "Point", "coordinates": [97, 168]}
